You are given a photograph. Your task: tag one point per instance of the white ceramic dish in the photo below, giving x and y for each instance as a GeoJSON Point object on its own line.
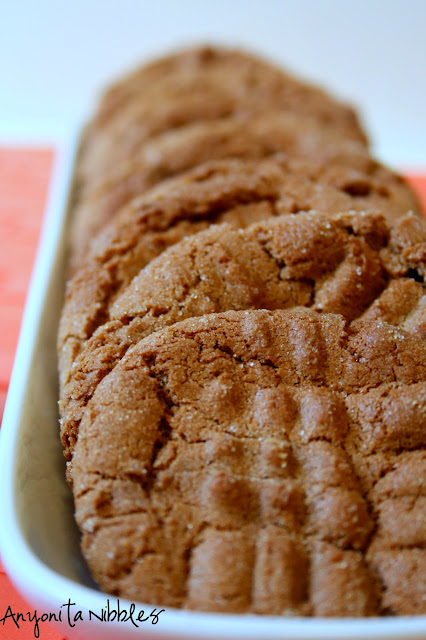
{"type": "Point", "coordinates": [39, 542]}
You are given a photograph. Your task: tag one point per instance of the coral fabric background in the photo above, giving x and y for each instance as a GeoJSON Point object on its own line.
{"type": "Point", "coordinates": [24, 183]}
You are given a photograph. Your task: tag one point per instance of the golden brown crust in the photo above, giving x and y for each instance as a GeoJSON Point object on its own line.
{"type": "Point", "coordinates": [238, 448]}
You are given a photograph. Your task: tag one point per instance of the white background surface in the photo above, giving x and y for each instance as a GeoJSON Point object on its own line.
{"type": "Point", "coordinates": [56, 55]}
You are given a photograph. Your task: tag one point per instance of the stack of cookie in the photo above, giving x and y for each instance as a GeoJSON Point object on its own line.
{"type": "Point", "coordinates": [241, 349]}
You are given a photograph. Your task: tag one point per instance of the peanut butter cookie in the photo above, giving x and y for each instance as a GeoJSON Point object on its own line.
{"type": "Point", "coordinates": [218, 467]}
{"type": "Point", "coordinates": [327, 153]}
{"type": "Point", "coordinates": [235, 191]}
{"type": "Point", "coordinates": [200, 84]}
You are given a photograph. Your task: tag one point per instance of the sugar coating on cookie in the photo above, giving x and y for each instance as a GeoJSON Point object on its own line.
{"type": "Point", "coordinates": [240, 192]}
{"type": "Point", "coordinates": [331, 263]}
{"type": "Point", "coordinates": [260, 461]}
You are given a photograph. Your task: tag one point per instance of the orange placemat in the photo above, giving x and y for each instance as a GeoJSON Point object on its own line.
{"type": "Point", "coordinates": [418, 182]}
{"type": "Point", "coordinates": [24, 180]}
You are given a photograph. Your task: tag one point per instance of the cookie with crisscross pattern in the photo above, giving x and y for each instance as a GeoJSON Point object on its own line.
{"type": "Point", "coordinates": [239, 192]}
{"type": "Point", "coordinates": [260, 461]}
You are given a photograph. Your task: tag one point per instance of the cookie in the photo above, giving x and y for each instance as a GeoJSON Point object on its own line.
{"type": "Point", "coordinates": [225, 67]}
{"type": "Point", "coordinates": [222, 65]}
{"type": "Point", "coordinates": [330, 263]}
{"type": "Point", "coordinates": [199, 85]}
{"type": "Point", "coordinates": [234, 191]}
{"type": "Point", "coordinates": [217, 467]}
{"type": "Point", "coordinates": [339, 161]}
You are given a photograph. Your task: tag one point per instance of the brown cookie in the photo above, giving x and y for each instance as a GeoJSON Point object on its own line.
{"type": "Point", "coordinates": [200, 85]}
{"type": "Point", "coordinates": [219, 65]}
{"type": "Point", "coordinates": [239, 73]}
{"type": "Point", "coordinates": [234, 191]}
{"type": "Point", "coordinates": [331, 263]}
{"type": "Point", "coordinates": [217, 467]}
{"type": "Point", "coordinates": [339, 161]}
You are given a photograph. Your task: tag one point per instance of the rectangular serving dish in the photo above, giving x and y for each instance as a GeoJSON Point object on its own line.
{"type": "Point", "coordinates": [39, 541]}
